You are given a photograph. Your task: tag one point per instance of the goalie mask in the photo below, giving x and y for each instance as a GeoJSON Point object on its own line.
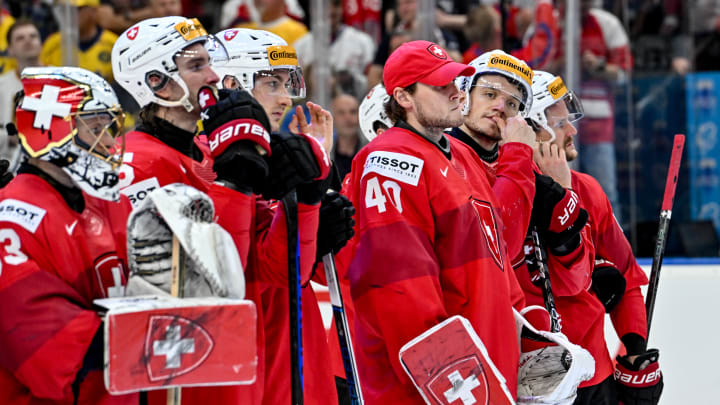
{"type": "Point", "coordinates": [372, 112]}
{"type": "Point", "coordinates": [549, 90]}
{"type": "Point", "coordinates": [497, 62]}
{"type": "Point", "coordinates": [145, 59]}
{"type": "Point", "coordinates": [71, 117]}
{"type": "Point", "coordinates": [252, 54]}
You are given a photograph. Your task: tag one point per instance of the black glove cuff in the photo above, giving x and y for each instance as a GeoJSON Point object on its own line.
{"type": "Point", "coordinates": [634, 344]}
{"type": "Point", "coordinates": [565, 242]}
{"type": "Point", "coordinates": [609, 286]}
{"type": "Point", "coordinates": [242, 166]}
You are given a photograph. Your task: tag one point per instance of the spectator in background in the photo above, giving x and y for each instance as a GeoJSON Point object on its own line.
{"type": "Point", "coordinates": [347, 132]}
{"type": "Point", "coordinates": [119, 15]}
{"type": "Point", "coordinates": [166, 8]}
{"type": "Point", "coordinates": [350, 50]}
{"type": "Point", "coordinates": [402, 24]}
{"type": "Point", "coordinates": [605, 61]}
{"type": "Point", "coordinates": [94, 42]}
{"type": "Point", "coordinates": [24, 47]}
{"type": "Point", "coordinates": [272, 18]}
{"type": "Point", "coordinates": [6, 21]}
{"type": "Point", "coordinates": [482, 31]}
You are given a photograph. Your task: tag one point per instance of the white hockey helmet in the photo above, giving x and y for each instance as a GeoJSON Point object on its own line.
{"type": "Point", "coordinates": [500, 63]}
{"type": "Point", "coordinates": [372, 112]}
{"type": "Point", "coordinates": [254, 52]}
{"type": "Point", "coordinates": [58, 103]}
{"type": "Point", "coordinates": [549, 89]}
{"type": "Point", "coordinates": [149, 48]}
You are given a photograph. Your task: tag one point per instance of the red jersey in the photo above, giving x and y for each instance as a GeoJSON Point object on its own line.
{"type": "Point", "coordinates": [260, 235]}
{"type": "Point", "coordinates": [429, 246]}
{"type": "Point", "coordinates": [55, 262]}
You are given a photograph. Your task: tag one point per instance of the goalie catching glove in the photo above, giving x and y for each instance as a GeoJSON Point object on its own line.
{"type": "Point", "coordinates": [557, 214]}
{"type": "Point", "coordinates": [212, 266]}
{"type": "Point", "coordinates": [551, 368]}
{"type": "Point", "coordinates": [639, 382]}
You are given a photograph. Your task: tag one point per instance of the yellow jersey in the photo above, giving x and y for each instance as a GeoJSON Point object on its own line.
{"type": "Point", "coordinates": [6, 62]}
{"type": "Point", "coordinates": [285, 27]}
{"type": "Point", "coordinates": [93, 55]}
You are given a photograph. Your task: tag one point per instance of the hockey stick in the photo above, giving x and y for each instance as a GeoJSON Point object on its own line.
{"type": "Point", "coordinates": [343, 331]}
{"type": "Point", "coordinates": [294, 287]}
{"type": "Point", "coordinates": [177, 271]}
{"type": "Point", "coordinates": [665, 214]}
{"type": "Point", "coordinates": [541, 257]}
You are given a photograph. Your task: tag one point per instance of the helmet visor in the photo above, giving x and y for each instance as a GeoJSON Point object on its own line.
{"type": "Point", "coordinates": [492, 91]}
{"type": "Point", "coordinates": [280, 81]}
{"type": "Point", "coordinates": [569, 109]}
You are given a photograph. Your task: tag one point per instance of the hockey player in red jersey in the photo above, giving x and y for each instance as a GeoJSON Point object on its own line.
{"type": "Point", "coordinates": [429, 243]}
{"type": "Point", "coordinates": [165, 64]}
{"type": "Point", "coordinates": [614, 285]}
{"type": "Point", "coordinates": [62, 226]}
{"type": "Point", "coordinates": [262, 63]}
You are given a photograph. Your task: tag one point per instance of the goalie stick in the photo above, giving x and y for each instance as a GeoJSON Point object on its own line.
{"type": "Point", "coordinates": [665, 214]}
{"type": "Point", "coordinates": [548, 298]}
{"type": "Point", "coordinates": [177, 271]}
{"type": "Point", "coordinates": [343, 331]}
{"type": "Point", "coordinates": [296, 345]}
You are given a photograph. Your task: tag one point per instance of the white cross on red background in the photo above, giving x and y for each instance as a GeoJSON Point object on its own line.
{"type": "Point", "coordinates": [173, 347]}
{"type": "Point", "coordinates": [46, 106]}
{"type": "Point", "coordinates": [462, 388]}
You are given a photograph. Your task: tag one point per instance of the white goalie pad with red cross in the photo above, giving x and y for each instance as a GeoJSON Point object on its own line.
{"type": "Point", "coordinates": [449, 364]}
{"type": "Point", "coordinates": [156, 342]}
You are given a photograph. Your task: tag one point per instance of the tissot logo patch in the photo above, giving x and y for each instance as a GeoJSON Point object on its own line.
{"type": "Point", "coordinates": [398, 166]}
{"type": "Point", "coordinates": [175, 346]}
{"type": "Point", "coordinates": [138, 191]}
{"type": "Point", "coordinates": [18, 212]}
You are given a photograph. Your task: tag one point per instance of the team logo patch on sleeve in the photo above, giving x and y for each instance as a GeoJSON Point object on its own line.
{"type": "Point", "coordinates": [398, 166]}
{"type": "Point", "coordinates": [140, 190]}
{"type": "Point", "coordinates": [26, 215]}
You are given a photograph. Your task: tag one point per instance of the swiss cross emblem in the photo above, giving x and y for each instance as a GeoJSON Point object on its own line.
{"type": "Point", "coordinates": [230, 34]}
{"type": "Point", "coordinates": [206, 98]}
{"type": "Point", "coordinates": [46, 107]}
{"type": "Point", "coordinates": [175, 346]}
{"type": "Point", "coordinates": [462, 383]}
{"type": "Point", "coordinates": [110, 276]}
{"type": "Point", "coordinates": [436, 51]}
{"type": "Point", "coordinates": [132, 32]}
{"type": "Point", "coordinates": [486, 215]}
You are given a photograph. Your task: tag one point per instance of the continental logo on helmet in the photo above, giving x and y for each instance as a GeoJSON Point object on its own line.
{"type": "Point", "coordinates": [504, 62]}
{"type": "Point", "coordinates": [282, 55]}
{"type": "Point", "coordinates": [190, 29]}
{"type": "Point", "coordinates": [557, 88]}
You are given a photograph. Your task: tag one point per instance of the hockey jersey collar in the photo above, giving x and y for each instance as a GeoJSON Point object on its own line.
{"type": "Point", "coordinates": [73, 196]}
{"type": "Point", "coordinates": [443, 144]}
{"type": "Point", "coordinates": [177, 138]}
{"type": "Point", "coordinates": [489, 156]}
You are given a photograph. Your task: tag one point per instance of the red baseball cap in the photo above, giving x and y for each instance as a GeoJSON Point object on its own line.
{"type": "Point", "coordinates": [424, 62]}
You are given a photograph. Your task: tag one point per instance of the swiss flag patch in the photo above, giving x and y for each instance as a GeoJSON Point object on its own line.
{"type": "Point", "coordinates": [230, 34]}
{"type": "Point", "coordinates": [486, 214]}
{"type": "Point", "coordinates": [132, 32]}
{"type": "Point", "coordinates": [175, 346]}
{"type": "Point", "coordinates": [436, 51]}
{"type": "Point", "coordinates": [206, 97]}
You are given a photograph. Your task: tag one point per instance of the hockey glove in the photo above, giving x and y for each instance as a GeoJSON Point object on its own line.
{"type": "Point", "coordinates": [336, 223]}
{"type": "Point", "coordinates": [5, 175]}
{"type": "Point", "coordinates": [608, 284]}
{"type": "Point", "coordinates": [558, 216]}
{"type": "Point", "coordinates": [238, 134]}
{"type": "Point", "coordinates": [639, 382]}
{"type": "Point", "coordinates": [297, 162]}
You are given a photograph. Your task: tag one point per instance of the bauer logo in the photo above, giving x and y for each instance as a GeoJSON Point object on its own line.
{"type": "Point", "coordinates": [398, 166]}
{"type": "Point", "coordinates": [190, 29]}
{"type": "Point", "coordinates": [557, 88]}
{"type": "Point", "coordinates": [282, 55]}
{"type": "Point", "coordinates": [18, 212]}
{"type": "Point", "coordinates": [504, 62]}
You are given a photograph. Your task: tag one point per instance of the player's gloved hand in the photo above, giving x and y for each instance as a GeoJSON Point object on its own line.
{"type": "Point", "coordinates": [5, 175]}
{"type": "Point", "coordinates": [557, 214]}
{"type": "Point", "coordinates": [239, 136]}
{"type": "Point", "coordinates": [608, 283]}
{"type": "Point", "coordinates": [297, 162]}
{"type": "Point", "coordinates": [639, 382]}
{"type": "Point", "coordinates": [336, 223]}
